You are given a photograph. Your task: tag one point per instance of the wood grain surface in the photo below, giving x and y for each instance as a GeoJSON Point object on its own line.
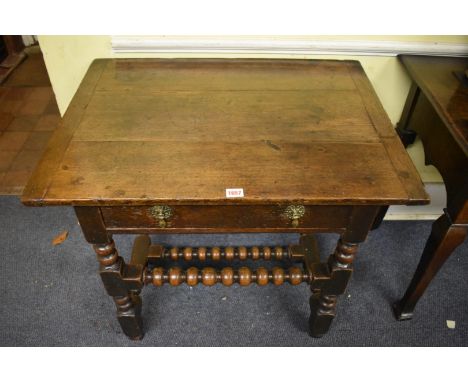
{"type": "Point", "coordinates": [436, 77]}
{"type": "Point", "coordinates": [142, 131]}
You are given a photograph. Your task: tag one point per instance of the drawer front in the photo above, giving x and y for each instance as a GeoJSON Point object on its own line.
{"type": "Point", "coordinates": [227, 217]}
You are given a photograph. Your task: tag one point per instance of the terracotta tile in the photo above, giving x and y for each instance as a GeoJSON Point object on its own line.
{"type": "Point", "coordinates": [48, 122]}
{"type": "Point", "coordinates": [33, 107]}
{"type": "Point", "coordinates": [3, 92]}
{"type": "Point", "coordinates": [37, 140]}
{"type": "Point", "coordinates": [13, 140]}
{"type": "Point", "coordinates": [16, 93]}
{"type": "Point", "coordinates": [5, 120]}
{"type": "Point", "coordinates": [32, 72]}
{"type": "Point", "coordinates": [15, 178]}
{"type": "Point", "coordinates": [11, 106]}
{"type": "Point", "coordinates": [44, 93]}
{"type": "Point", "coordinates": [26, 160]}
{"type": "Point", "coordinates": [23, 123]}
{"type": "Point", "coordinates": [6, 158]}
{"type": "Point", "coordinates": [10, 189]}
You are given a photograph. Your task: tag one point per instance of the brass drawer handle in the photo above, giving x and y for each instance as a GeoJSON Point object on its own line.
{"type": "Point", "coordinates": [294, 212]}
{"type": "Point", "coordinates": [161, 213]}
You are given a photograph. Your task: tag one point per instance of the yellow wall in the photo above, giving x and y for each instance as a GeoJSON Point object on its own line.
{"type": "Point", "coordinates": [68, 57]}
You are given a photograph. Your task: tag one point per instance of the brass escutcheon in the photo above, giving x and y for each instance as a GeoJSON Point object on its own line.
{"type": "Point", "coordinates": [161, 213]}
{"type": "Point", "coordinates": [294, 212]}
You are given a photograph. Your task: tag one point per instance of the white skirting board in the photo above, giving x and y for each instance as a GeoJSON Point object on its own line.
{"type": "Point", "coordinates": [430, 211]}
{"type": "Point", "coordinates": [288, 46]}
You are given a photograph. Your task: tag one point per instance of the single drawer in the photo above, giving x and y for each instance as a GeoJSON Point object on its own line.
{"type": "Point", "coordinates": [227, 217]}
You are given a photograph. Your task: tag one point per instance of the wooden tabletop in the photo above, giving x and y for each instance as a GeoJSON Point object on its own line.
{"type": "Point", "coordinates": [140, 131]}
{"type": "Point", "coordinates": [437, 78]}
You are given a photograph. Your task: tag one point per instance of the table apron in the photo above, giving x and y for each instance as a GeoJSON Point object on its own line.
{"type": "Point", "coordinates": [226, 218]}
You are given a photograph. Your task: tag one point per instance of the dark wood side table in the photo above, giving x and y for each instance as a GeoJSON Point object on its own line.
{"type": "Point", "coordinates": [437, 111]}
{"type": "Point", "coordinates": [200, 146]}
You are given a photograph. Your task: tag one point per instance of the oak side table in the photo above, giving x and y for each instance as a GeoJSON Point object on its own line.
{"type": "Point", "coordinates": [437, 111]}
{"type": "Point", "coordinates": [218, 145]}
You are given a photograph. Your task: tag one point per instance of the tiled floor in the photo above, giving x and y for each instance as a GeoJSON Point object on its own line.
{"type": "Point", "coordinates": [28, 116]}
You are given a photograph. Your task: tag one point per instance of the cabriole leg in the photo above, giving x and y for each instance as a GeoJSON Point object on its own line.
{"type": "Point", "coordinates": [443, 240]}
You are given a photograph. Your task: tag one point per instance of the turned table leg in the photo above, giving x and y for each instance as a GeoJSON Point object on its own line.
{"type": "Point", "coordinates": [323, 300]}
{"type": "Point", "coordinates": [443, 240]}
{"type": "Point", "coordinates": [123, 282]}
{"type": "Point", "coordinates": [112, 269]}
{"type": "Point", "coordinates": [329, 280]}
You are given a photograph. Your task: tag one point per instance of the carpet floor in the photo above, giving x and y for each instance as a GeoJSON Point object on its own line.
{"type": "Point", "coordinates": [52, 296]}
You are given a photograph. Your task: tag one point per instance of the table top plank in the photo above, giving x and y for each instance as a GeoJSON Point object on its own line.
{"type": "Point", "coordinates": [144, 76]}
{"type": "Point", "coordinates": [374, 108]}
{"type": "Point", "coordinates": [226, 116]}
{"type": "Point", "coordinates": [405, 169]}
{"type": "Point", "coordinates": [142, 131]}
{"type": "Point", "coordinates": [280, 171]}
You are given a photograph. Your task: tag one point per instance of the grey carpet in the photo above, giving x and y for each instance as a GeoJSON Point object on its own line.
{"type": "Point", "coordinates": [52, 296]}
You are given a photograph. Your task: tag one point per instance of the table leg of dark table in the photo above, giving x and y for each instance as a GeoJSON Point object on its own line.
{"type": "Point", "coordinates": [408, 136]}
{"type": "Point", "coordinates": [330, 280]}
{"type": "Point", "coordinates": [123, 282]}
{"type": "Point", "coordinates": [445, 237]}
{"type": "Point", "coordinates": [450, 229]}
{"type": "Point", "coordinates": [327, 280]}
